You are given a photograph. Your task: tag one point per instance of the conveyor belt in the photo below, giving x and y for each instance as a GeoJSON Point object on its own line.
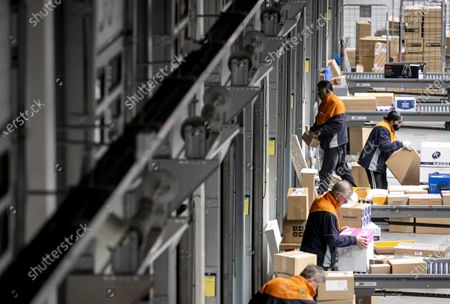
{"type": "Point", "coordinates": [377, 80]}
{"type": "Point", "coordinates": [118, 166]}
{"type": "Point", "coordinates": [408, 116]}
{"type": "Point", "coordinates": [410, 211]}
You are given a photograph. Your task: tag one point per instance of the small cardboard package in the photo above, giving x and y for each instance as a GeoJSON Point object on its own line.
{"type": "Point", "coordinates": [311, 140]}
{"type": "Point", "coordinates": [293, 231]}
{"type": "Point", "coordinates": [339, 285]}
{"type": "Point", "coordinates": [308, 180]}
{"type": "Point", "coordinates": [292, 262]}
{"type": "Point", "coordinates": [380, 268]}
{"type": "Point", "coordinates": [355, 215]}
{"type": "Point", "coordinates": [405, 165]}
{"type": "Point", "coordinates": [297, 204]}
{"type": "Point", "coordinates": [412, 266]}
{"type": "Point", "coordinates": [397, 199]}
{"type": "Point", "coordinates": [425, 199]}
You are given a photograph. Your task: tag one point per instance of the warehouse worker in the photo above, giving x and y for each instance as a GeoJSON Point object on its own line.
{"type": "Point", "coordinates": [331, 127]}
{"type": "Point", "coordinates": [380, 145]}
{"type": "Point", "coordinates": [321, 235]}
{"type": "Point", "coordinates": [299, 289]}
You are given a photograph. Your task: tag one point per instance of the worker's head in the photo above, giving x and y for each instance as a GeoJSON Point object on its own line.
{"type": "Point", "coordinates": [342, 191]}
{"type": "Point", "coordinates": [315, 275]}
{"type": "Point", "coordinates": [395, 119]}
{"type": "Point", "coordinates": [324, 88]}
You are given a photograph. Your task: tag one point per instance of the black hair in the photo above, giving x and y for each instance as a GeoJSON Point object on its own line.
{"type": "Point", "coordinates": [325, 84]}
{"type": "Point", "coordinates": [393, 116]}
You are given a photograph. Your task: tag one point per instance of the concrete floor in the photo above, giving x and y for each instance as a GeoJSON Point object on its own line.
{"type": "Point", "coordinates": [416, 136]}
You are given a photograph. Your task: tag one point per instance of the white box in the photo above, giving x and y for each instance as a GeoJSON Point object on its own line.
{"type": "Point", "coordinates": [273, 236]}
{"type": "Point", "coordinates": [435, 152]}
{"type": "Point", "coordinates": [426, 170]}
{"type": "Point", "coordinates": [405, 104]}
{"type": "Point", "coordinates": [376, 231]}
{"type": "Point", "coordinates": [353, 258]}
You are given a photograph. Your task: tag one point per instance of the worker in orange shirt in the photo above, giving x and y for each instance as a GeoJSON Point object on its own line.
{"type": "Point", "coordinates": [299, 289]}
{"type": "Point", "coordinates": [331, 128]}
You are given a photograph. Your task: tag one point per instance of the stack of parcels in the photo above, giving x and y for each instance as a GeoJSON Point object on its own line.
{"type": "Point", "coordinates": [294, 224]}
{"type": "Point", "coordinates": [413, 16]}
{"type": "Point", "coordinates": [363, 29]}
{"type": "Point", "coordinates": [353, 258]}
{"type": "Point", "coordinates": [339, 288]}
{"type": "Point", "coordinates": [432, 37]}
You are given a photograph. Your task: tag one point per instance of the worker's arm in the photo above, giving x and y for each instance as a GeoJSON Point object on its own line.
{"type": "Point", "coordinates": [384, 140]}
{"type": "Point", "coordinates": [332, 234]}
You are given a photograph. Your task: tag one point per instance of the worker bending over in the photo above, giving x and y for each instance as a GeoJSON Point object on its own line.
{"type": "Point", "coordinates": [380, 145]}
{"type": "Point", "coordinates": [331, 128]}
{"type": "Point", "coordinates": [299, 289]}
{"type": "Point", "coordinates": [321, 235]}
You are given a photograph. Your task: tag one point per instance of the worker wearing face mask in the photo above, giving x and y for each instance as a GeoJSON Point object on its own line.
{"type": "Point", "coordinates": [380, 145]}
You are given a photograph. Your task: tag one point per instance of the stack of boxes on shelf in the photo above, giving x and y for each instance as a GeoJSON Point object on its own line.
{"type": "Point", "coordinates": [363, 29]}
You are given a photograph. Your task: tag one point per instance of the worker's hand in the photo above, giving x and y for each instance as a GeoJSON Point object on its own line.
{"type": "Point", "coordinates": [361, 241]}
{"type": "Point", "coordinates": [407, 145]}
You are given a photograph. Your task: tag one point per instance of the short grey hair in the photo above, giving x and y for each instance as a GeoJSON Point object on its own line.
{"type": "Point", "coordinates": [315, 273]}
{"type": "Point", "coordinates": [342, 187]}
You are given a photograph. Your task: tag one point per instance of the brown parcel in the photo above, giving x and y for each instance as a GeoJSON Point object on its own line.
{"type": "Point", "coordinates": [366, 300]}
{"type": "Point", "coordinates": [405, 166]}
{"type": "Point", "coordinates": [401, 228]}
{"type": "Point", "coordinates": [408, 266]}
{"type": "Point", "coordinates": [310, 139]}
{"type": "Point", "coordinates": [445, 195]}
{"type": "Point", "coordinates": [349, 301]}
{"type": "Point", "coordinates": [292, 262]}
{"type": "Point", "coordinates": [352, 215]}
{"type": "Point", "coordinates": [383, 99]}
{"type": "Point", "coordinates": [297, 204]}
{"type": "Point", "coordinates": [433, 230]}
{"type": "Point", "coordinates": [425, 199]}
{"type": "Point", "coordinates": [293, 231]}
{"type": "Point", "coordinates": [380, 268]}
{"type": "Point", "coordinates": [421, 250]}
{"type": "Point", "coordinates": [308, 180]}
{"type": "Point", "coordinates": [357, 139]}
{"type": "Point", "coordinates": [360, 175]}
{"type": "Point", "coordinates": [339, 285]}
{"type": "Point", "coordinates": [363, 29]}
{"type": "Point", "coordinates": [359, 103]}
{"type": "Point", "coordinates": [397, 199]}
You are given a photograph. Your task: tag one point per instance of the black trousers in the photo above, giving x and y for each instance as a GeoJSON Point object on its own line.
{"type": "Point", "coordinates": [334, 160]}
{"type": "Point", "coordinates": [377, 180]}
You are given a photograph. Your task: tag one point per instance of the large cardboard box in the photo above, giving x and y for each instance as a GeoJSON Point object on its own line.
{"type": "Point", "coordinates": [412, 266]}
{"type": "Point", "coordinates": [293, 231]}
{"type": "Point", "coordinates": [355, 215]}
{"type": "Point", "coordinates": [360, 175]}
{"type": "Point", "coordinates": [292, 262]}
{"type": "Point", "coordinates": [401, 228]}
{"type": "Point", "coordinates": [297, 204]}
{"type": "Point", "coordinates": [339, 285]}
{"type": "Point", "coordinates": [353, 258]}
{"type": "Point", "coordinates": [380, 268]}
{"type": "Point", "coordinates": [425, 199]}
{"type": "Point", "coordinates": [382, 99]}
{"type": "Point", "coordinates": [421, 250]}
{"type": "Point", "coordinates": [359, 103]}
{"type": "Point", "coordinates": [405, 165]}
{"type": "Point", "coordinates": [397, 199]}
{"type": "Point", "coordinates": [273, 236]}
{"type": "Point", "coordinates": [357, 139]}
{"type": "Point", "coordinates": [433, 230]}
{"type": "Point", "coordinates": [308, 180]}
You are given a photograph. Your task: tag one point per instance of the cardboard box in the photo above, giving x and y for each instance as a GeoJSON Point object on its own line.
{"type": "Point", "coordinates": [413, 57]}
{"type": "Point", "coordinates": [415, 191]}
{"type": "Point", "coordinates": [405, 165]}
{"type": "Point", "coordinates": [397, 199]}
{"type": "Point", "coordinates": [349, 301]}
{"type": "Point", "coordinates": [335, 69]}
{"type": "Point", "coordinates": [360, 175]}
{"type": "Point", "coordinates": [351, 55]}
{"type": "Point", "coordinates": [273, 236]}
{"type": "Point", "coordinates": [293, 231]}
{"type": "Point", "coordinates": [421, 250]}
{"type": "Point", "coordinates": [292, 262]}
{"type": "Point", "coordinates": [297, 204]}
{"type": "Point", "coordinates": [380, 259]}
{"type": "Point", "coordinates": [414, 46]}
{"type": "Point", "coordinates": [363, 29]}
{"type": "Point", "coordinates": [359, 103]}
{"type": "Point", "coordinates": [382, 99]}
{"type": "Point", "coordinates": [408, 266]}
{"type": "Point", "coordinates": [380, 268]}
{"type": "Point", "coordinates": [311, 140]}
{"type": "Point", "coordinates": [408, 189]}
{"type": "Point", "coordinates": [308, 180]}
{"type": "Point", "coordinates": [353, 258]}
{"type": "Point", "coordinates": [401, 228]}
{"type": "Point", "coordinates": [289, 246]}
{"type": "Point", "coordinates": [445, 197]}
{"type": "Point", "coordinates": [378, 196]}
{"type": "Point", "coordinates": [362, 193]}
{"type": "Point", "coordinates": [357, 139]}
{"type": "Point", "coordinates": [339, 285]}
{"type": "Point", "coordinates": [433, 230]}
{"type": "Point", "coordinates": [355, 215]}
{"type": "Point", "coordinates": [425, 199]}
